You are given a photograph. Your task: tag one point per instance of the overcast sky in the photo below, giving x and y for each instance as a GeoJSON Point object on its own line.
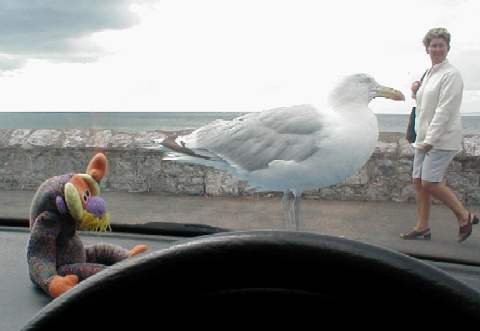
{"type": "Point", "coordinates": [220, 55]}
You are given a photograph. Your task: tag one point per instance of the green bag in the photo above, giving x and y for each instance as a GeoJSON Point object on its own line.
{"type": "Point", "coordinates": [411, 135]}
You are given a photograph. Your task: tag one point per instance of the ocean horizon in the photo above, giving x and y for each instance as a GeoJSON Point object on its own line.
{"type": "Point", "coordinates": [170, 121]}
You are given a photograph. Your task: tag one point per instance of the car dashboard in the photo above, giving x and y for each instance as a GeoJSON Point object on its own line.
{"type": "Point", "coordinates": [22, 301]}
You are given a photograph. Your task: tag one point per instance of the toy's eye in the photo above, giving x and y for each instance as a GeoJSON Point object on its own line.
{"type": "Point", "coordinates": [86, 195]}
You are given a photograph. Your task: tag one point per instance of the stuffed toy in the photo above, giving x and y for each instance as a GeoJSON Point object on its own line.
{"type": "Point", "coordinates": [57, 257]}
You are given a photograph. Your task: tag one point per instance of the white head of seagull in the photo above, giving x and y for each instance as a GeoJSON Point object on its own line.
{"type": "Point", "coordinates": [294, 148]}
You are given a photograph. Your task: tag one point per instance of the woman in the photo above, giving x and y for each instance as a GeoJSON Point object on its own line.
{"type": "Point", "coordinates": [439, 136]}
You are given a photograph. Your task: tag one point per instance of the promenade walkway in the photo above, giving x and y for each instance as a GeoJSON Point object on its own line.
{"type": "Point", "coordinates": [375, 222]}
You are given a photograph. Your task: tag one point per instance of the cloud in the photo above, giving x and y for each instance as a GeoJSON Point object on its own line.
{"type": "Point", "coordinates": [219, 55]}
{"type": "Point", "coordinates": [58, 31]}
{"type": "Point", "coordinates": [9, 62]}
{"type": "Point", "coordinates": [467, 63]}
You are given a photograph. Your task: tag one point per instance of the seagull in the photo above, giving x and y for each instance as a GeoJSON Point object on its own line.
{"type": "Point", "coordinates": [294, 148]}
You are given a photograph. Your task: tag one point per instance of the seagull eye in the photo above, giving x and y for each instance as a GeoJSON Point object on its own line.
{"type": "Point", "coordinates": [368, 80]}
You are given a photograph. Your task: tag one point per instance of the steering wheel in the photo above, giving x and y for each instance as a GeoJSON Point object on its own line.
{"type": "Point", "coordinates": [270, 278]}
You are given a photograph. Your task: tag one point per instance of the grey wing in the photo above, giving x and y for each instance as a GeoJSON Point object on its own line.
{"type": "Point", "coordinates": [254, 140]}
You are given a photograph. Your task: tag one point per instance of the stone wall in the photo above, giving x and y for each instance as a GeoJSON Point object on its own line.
{"type": "Point", "coordinates": [28, 157]}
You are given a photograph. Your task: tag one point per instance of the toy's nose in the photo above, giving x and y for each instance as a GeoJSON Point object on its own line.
{"type": "Point", "coordinates": [96, 206]}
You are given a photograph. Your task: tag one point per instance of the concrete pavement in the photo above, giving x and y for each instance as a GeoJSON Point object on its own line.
{"type": "Point", "coordinates": [375, 222]}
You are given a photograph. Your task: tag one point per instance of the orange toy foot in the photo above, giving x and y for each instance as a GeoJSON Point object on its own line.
{"type": "Point", "coordinates": [60, 285]}
{"type": "Point", "coordinates": [137, 250]}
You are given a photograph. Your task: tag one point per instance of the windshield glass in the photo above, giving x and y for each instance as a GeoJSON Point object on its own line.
{"type": "Point", "coordinates": [237, 115]}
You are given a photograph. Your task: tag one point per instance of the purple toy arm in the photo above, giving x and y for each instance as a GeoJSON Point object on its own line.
{"type": "Point", "coordinates": [41, 250]}
{"type": "Point", "coordinates": [47, 248]}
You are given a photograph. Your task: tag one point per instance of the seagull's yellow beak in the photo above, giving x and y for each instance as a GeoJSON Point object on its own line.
{"type": "Point", "coordinates": [388, 92]}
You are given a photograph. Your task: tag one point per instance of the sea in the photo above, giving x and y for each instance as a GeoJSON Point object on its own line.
{"type": "Point", "coordinates": [168, 121]}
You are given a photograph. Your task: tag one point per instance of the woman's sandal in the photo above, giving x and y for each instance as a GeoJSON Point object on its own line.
{"type": "Point", "coordinates": [474, 218]}
{"type": "Point", "coordinates": [414, 234]}
{"type": "Point", "coordinates": [465, 231]}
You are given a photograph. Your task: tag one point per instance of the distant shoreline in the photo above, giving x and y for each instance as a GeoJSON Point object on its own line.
{"type": "Point", "coordinates": [170, 121]}
{"type": "Point", "coordinates": [173, 112]}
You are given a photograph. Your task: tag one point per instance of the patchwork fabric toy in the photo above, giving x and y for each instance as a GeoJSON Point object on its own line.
{"type": "Point", "coordinates": [57, 257]}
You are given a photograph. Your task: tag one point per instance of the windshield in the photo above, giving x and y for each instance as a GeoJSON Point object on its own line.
{"type": "Point", "coordinates": [237, 115]}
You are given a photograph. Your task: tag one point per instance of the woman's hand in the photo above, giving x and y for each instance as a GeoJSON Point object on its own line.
{"type": "Point", "coordinates": [427, 148]}
{"type": "Point", "coordinates": [415, 86]}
